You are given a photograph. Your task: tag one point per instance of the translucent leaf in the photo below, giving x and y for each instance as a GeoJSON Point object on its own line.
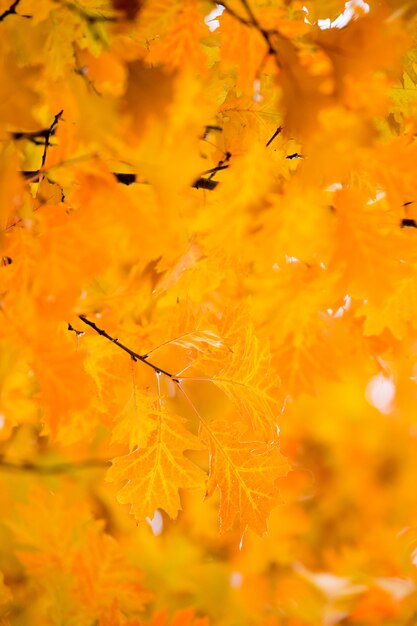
{"type": "Point", "coordinates": [154, 475]}
{"type": "Point", "coordinates": [246, 474]}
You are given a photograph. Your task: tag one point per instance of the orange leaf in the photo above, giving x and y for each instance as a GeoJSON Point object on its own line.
{"type": "Point", "coordinates": [155, 474]}
{"type": "Point", "coordinates": [246, 473]}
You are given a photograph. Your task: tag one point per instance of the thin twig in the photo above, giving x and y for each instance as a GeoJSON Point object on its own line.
{"type": "Point", "coordinates": [265, 34]}
{"type": "Point", "coordinates": [48, 134]}
{"type": "Point", "coordinates": [57, 468]}
{"type": "Point", "coordinates": [234, 14]}
{"type": "Point", "coordinates": [276, 133]}
{"type": "Point", "coordinates": [253, 22]}
{"type": "Point", "coordinates": [221, 165]}
{"type": "Point", "coordinates": [135, 356]}
{"type": "Point", "coordinates": [12, 11]}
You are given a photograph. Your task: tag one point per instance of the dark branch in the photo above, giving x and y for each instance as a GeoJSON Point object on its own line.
{"type": "Point", "coordinates": [254, 20]}
{"type": "Point", "coordinates": [38, 136]}
{"type": "Point", "coordinates": [130, 179]}
{"type": "Point", "coordinates": [57, 468]}
{"type": "Point", "coordinates": [30, 175]}
{"type": "Point", "coordinates": [12, 11]}
{"type": "Point", "coordinates": [48, 134]}
{"type": "Point", "coordinates": [79, 333]}
{"type": "Point", "coordinates": [205, 183]}
{"type": "Point", "coordinates": [133, 355]}
{"type": "Point", "coordinates": [251, 21]}
{"type": "Point", "coordinates": [221, 164]}
{"type": "Point", "coordinates": [212, 127]}
{"type": "Point", "coordinates": [218, 168]}
{"type": "Point", "coordinates": [294, 156]}
{"type": "Point", "coordinates": [407, 222]}
{"type": "Point", "coordinates": [126, 179]}
{"type": "Point", "coordinates": [234, 14]}
{"type": "Point", "coordinates": [276, 133]}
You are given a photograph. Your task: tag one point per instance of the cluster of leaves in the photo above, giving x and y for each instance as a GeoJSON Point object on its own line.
{"type": "Point", "coordinates": [208, 304]}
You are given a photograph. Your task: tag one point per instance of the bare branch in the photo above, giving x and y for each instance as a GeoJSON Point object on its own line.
{"type": "Point", "coordinates": [12, 11]}
{"type": "Point", "coordinates": [253, 22]}
{"type": "Point", "coordinates": [276, 133]}
{"type": "Point", "coordinates": [133, 355]}
{"type": "Point", "coordinates": [48, 134]}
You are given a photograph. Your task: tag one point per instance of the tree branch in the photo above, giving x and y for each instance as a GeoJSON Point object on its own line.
{"type": "Point", "coordinates": [276, 133]}
{"type": "Point", "coordinates": [57, 468]}
{"type": "Point", "coordinates": [126, 179]}
{"type": "Point", "coordinates": [265, 33]}
{"type": "Point", "coordinates": [48, 134]}
{"type": "Point", "coordinates": [135, 356]}
{"type": "Point", "coordinates": [12, 11]}
{"type": "Point", "coordinates": [253, 22]}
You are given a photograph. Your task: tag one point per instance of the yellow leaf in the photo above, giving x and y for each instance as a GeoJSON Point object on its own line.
{"type": "Point", "coordinates": [248, 380]}
{"type": "Point", "coordinates": [155, 474]}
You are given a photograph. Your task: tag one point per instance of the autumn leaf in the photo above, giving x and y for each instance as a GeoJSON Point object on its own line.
{"type": "Point", "coordinates": [249, 381]}
{"type": "Point", "coordinates": [154, 474]}
{"type": "Point", "coordinates": [208, 290]}
{"type": "Point", "coordinates": [245, 473]}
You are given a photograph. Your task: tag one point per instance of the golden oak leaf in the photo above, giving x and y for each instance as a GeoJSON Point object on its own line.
{"type": "Point", "coordinates": [102, 574]}
{"type": "Point", "coordinates": [178, 47]}
{"type": "Point", "coordinates": [397, 312]}
{"type": "Point", "coordinates": [305, 344]}
{"type": "Point", "coordinates": [168, 152]}
{"type": "Point", "coordinates": [390, 173]}
{"type": "Point", "coordinates": [157, 17]}
{"type": "Point", "coordinates": [309, 355]}
{"type": "Point", "coordinates": [136, 422]}
{"type": "Point", "coordinates": [64, 386]}
{"type": "Point", "coordinates": [253, 176]}
{"type": "Point", "coordinates": [371, 246]}
{"type": "Point", "coordinates": [243, 119]}
{"type": "Point", "coordinates": [248, 380]}
{"type": "Point", "coordinates": [80, 570]}
{"type": "Point", "coordinates": [299, 224]}
{"type": "Point", "coordinates": [234, 37]}
{"type": "Point", "coordinates": [245, 473]}
{"type": "Point", "coordinates": [155, 474]}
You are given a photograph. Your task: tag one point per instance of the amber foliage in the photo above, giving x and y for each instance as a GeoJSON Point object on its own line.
{"type": "Point", "coordinates": [208, 313]}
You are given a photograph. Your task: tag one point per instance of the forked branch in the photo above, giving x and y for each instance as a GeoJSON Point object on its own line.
{"type": "Point", "coordinates": [12, 11]}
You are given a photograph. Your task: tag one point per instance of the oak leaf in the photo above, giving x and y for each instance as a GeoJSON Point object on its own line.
{"type": "Point", "coordinates": [153, 475]}
{"type": "Point", "coordinates": [245, 473]}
